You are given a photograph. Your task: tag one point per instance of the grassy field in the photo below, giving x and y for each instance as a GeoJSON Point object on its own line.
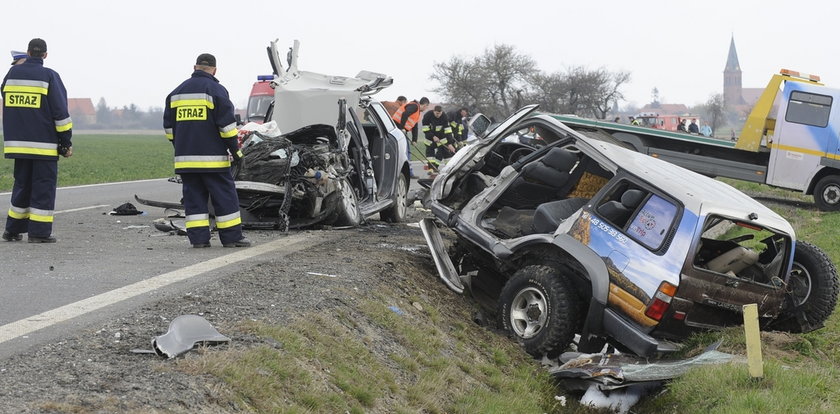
{"type": "Point", "coordinates": [107, 158]}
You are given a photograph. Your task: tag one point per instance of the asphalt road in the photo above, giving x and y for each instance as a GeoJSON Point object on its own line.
{"type": "Point", "coordinates": [103, 263]}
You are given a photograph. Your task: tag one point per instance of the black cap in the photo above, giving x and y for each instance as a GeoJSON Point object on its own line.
{"type": "Point", "coordinates": [37, 46]}
{"type": "Point", "coordinates": [206, 59]}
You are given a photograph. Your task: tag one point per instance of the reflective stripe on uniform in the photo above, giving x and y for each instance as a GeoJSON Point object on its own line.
{"type": "Point", "coordinates": [44, 216]}
{"type": "Point", "coordinates": [26, 86]}
{"type": "Point", "coordinates": [19, 213]}
{"type": "Point", "coordinates": [31, 147]}
{"type": "Point", "coordinates": [65, 124]}
{"type": "Point", "coordinates": [191, 99]}
{"type": "Point", "coordinates": [197, 220]}
{"type": "Point", "coordinates": [202, 161]}
{"type": "Point", "coordinates": [426, 128]}
{"type": "Point", "coordinates": [228, 220]}
{"type": "Point", "coordinates": [168, 132]}
{"type": "Point", "coordinates": [229, 131]}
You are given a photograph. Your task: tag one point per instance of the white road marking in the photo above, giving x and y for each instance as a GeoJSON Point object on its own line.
{"type": "Point", "coordinates": [46, 319]}
{"type": "Point", "coordinates": [80, 209]}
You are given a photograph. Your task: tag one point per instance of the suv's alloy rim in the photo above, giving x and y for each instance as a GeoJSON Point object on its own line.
{"type": "Point", "coordinates": [528, 312]}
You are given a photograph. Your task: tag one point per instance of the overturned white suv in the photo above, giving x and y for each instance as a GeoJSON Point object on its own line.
{"type": "Point", "coordinates": [584, 236]}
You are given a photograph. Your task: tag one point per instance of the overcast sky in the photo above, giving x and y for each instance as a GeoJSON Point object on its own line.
{"type": "Point", "coordinates": [138, 51]}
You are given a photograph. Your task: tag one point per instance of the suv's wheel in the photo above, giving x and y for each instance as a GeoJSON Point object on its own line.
{"type": "Point", "coordinates": [348, 206]}
{"type": "Point", "coordinates": [827, 193]}
{"type": "Point", "coordinates": [539, 309]}
{"type": "Point", "coordinates": [813, 288]}
{"type": "Point", "coordinates": [396, 213]}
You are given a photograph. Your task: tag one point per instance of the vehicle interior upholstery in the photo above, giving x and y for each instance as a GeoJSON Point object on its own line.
{"type": "Point", "coordinates": [736, 250]}
{"type": "Point", "coordinates": [546, 192]}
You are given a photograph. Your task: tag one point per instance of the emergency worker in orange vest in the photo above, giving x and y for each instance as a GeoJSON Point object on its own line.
{"type": "Point", "coordinates": [407, 119]}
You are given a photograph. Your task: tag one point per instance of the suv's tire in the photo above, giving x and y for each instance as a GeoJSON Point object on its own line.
{"type": "Point", "coordinates": [348, 213]}
{"type": "Point", "coordinates": [396, 213]}
{"type": "Point", "coordinates": [827, 193]}
{"type": "Point", "coordinates": [539, 309]}
{"type": "Point", "coordinates": [814, 286]}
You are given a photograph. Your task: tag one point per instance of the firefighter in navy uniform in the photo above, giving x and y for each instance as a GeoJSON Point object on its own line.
{"type": "Point", "coordinates": [198, 119]}
{"type": "Point", "coordinates": [438, 133]}
{"type": "Point", "coordinates": [458, 120]}
{"type": "Point", "coordinates": [37, 129]}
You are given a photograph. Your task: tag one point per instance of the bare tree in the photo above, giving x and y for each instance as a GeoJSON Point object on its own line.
{"type": "Point", "coordinates": [714, 110]}
{"type": "Point", "coordinates": [505, 72]}
{"type": "Point", "coordinates": [461, 81]}
{"type": "Point", "coordinates": [547, 90]}
{"type": "Point", "coordinates": [608, 94]}
{"type": "Point", "coordinates": [494, 82]}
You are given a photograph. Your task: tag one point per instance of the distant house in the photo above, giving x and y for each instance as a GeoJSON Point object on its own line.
{"type": "Point", "coordinates": [82, 111]}
{"type": "Point", "coordinates": [665, 109]}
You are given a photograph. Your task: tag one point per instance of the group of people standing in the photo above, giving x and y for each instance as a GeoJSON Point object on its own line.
{"type": "Point", "coordinates": [198, 119]}
{"type": "Point", "coordinates": [443, 133]}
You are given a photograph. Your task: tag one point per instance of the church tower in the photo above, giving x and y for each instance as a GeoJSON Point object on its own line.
{"type": "Point", "coordinates": [732, 78]}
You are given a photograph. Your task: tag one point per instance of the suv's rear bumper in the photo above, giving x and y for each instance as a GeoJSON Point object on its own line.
{"type": "Point", "coordinates": [631, 337]}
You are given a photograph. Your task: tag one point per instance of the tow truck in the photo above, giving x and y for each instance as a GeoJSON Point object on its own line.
{"type": "Point", "coordinates": [796, 147]}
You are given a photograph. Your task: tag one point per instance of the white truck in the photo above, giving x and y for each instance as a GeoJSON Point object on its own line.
{"type": "Point", "coordinates": [795, 148]}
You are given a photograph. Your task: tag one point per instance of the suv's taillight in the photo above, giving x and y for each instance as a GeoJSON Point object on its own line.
{"type": "Point", "coordinates": [661, 301]}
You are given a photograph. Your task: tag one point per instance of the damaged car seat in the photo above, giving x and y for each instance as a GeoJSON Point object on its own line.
{"type": "Point", "coordinates": [549, 215]}
{"type": "Point", "coordinates": [541, 181]}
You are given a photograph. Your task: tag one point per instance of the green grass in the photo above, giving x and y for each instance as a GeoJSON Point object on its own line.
{"type": "Point", "coordinates": [107, 158]}
{"type": "Point", "coordinates": [325, 364]}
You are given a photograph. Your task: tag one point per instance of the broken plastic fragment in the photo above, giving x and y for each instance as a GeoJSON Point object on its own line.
{"type": "Point", "coordinates": [185, 332]}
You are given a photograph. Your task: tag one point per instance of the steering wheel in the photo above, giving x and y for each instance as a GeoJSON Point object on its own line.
{"type": "Point", "coordinates": [518, 154]}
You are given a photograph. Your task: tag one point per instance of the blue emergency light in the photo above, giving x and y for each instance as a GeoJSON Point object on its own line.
{"type": "Point", "coordinates": [265, 77]}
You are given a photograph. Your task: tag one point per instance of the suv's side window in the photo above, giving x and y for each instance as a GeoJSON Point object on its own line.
{"type": "Point", "coordinates": [651, 224]}
{"type": "Point", "coordinates": [644, 216]}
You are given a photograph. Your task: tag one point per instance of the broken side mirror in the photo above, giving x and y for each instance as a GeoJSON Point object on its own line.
{"type": "Point", "coordinates": [480, 125]}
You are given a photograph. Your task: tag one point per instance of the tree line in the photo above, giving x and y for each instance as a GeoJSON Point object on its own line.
{"type": "Point", "coordinates": [127, 117]}
{"type": "Point", "coordinates": [501, 80]}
